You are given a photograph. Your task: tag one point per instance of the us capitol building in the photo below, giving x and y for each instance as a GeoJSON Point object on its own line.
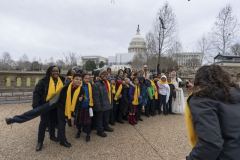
{"type": "Point", "coordinates": [136, 46]}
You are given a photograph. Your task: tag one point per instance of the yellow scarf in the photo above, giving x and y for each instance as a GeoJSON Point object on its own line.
{"type": "Point", "coordinates": [192, 136]}
{"type": "Point", "coordinates": [90, 95]}
{"type": "Point", "coordinates": [170, 82]}
{"type": "Point", "coordinates": [118, 92]}
{"type": "Point", "coordinates": [136, 95]}
{"type": "Point", "coordinates": [161, 82]}
{"type": "Point", "coordinates": [52, 89]}
{"type": "Point", "coordinates": [71, 102]}
{"type": "Point", "coordinates": [109, 93]}
{"type": "Point", "coordinates": [155, 90]}
{"type": "Point", "coordinates": [113, 89]}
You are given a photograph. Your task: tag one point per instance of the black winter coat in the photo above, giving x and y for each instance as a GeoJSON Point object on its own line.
{"type": "Point", "coordinates": [125, 96]}
{"type": "Point", "coordinates": [100, 97]}
{"type": "Point", "coordinates": [63, 95]}
{"type": "Point", "coordinates": [41, 90]}
{"type": "Point", "coordinates": [217, 125]}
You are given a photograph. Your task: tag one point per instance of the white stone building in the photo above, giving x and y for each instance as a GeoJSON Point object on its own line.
{"type": "Point", "coordinates": [96, 59]}
{"type": "Point", "coordinates": [191, 59]}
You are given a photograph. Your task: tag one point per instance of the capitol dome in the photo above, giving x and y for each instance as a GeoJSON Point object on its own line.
{"type": "Point", "coordinates": [137, 44]}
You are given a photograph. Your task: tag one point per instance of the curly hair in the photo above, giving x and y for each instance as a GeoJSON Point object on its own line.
{"type": "Point", "coordinates": [213, 82]}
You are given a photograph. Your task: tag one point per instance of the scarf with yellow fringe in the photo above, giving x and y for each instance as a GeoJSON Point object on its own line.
{"type": "Point", "coordinates": [90, 95]}
{"type": "Point", "coordinates": [161, 82]}
{"type": "Point", "coordinates": [113, 89]}
{"type": "Point", "coordinates": [52, 89]}
{"type": "Point", "coordinates": [192, 136]}
{"type": "Point", "coordinates": [119, 91]}
{"type": "Point", "coordinates": [155, 90]}
{"type": "Point", "coordinates": [71, 102]}
{"type": "Point", "coordinates": [136, 95]}
{"type": "Point", "coordinates": [109, 90]}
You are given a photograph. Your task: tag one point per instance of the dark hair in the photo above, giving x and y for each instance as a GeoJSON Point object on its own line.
{"type": "Point", "coordinates": [77, 75]}
{"type": "Point", "coordinates": [120, 70]}
{"type": "Point", "coordinates": [148, 83]}
{"type": "Point", "coordinates": [49, 70]}
{"type": "Point", "coordinates": [135, 78]}
{"type": "Point", "coordinates": [141, 79]}
{"type": "Point", "coordinates": [83, 75]}
{"type": "Point", "coordinates": [213, 82]}
{"type": "Point", "coordinates": [109, 69]}
{"type": "Point", "coordinates": [69, 72]}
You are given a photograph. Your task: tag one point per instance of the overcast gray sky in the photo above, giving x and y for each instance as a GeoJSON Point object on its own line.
{"type": "Point", "coordinates": [49, 28]}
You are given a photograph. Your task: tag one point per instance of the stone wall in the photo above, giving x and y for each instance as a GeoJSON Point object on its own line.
{"type": "Point", "coordinates": [19, 81]}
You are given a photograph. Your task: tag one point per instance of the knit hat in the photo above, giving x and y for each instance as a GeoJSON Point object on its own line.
{"type": "Point", "coordinates": [102, 72]}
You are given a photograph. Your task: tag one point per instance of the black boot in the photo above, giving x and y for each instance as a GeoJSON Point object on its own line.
{"type": "Point", "coordinates": [87, 138]}
{"type": "Point", "coordinates": [120, 120]}
{"type": "Point", "coordinates": [78, 134]}
{"type": "Point", "coordinates": [108, 129]}
{"type": "Point", "coordinates": [39, 146]}
{"type": "Point", "coordinates": [102, 134]}
{"type": "Point", "coordinates": [66, 144]}
{"type": "Point", "coordinates": [54, 139]}
{"type": "Point", "coordinates": [9, 121]}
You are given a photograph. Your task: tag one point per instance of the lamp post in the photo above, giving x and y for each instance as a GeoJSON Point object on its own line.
{"type": "Point", "coordinates": [160, 43]}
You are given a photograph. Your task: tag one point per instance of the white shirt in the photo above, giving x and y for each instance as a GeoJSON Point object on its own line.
{"type": "Point", "coordinates": [164, 89]}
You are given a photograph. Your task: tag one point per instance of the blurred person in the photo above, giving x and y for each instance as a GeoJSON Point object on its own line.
{"type": "Point", "coordinates": [213, 116]}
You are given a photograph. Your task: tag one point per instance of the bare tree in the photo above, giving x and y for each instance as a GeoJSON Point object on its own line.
{"type": "Point", "coordinates": [70, 59]}
{"type": "Point", "coordinates": [138, 61]}
{"type": "Point", "coordinates": [204, 45]}
{"type": "Point", "coordinates": [6, 62]}
{"type": "Point", "coordinates": [151, 45]}
{"type": "Point", "coordinates": [175, 48]}
{"type": "Point", "coordinates": [164, 29]}
{"type": "Point", "coordinates": [73, 59]}
{"type": "Point", "coordinates": [225, 30]}
{"type": "Point", "coordinates": [60, 63]}
{"type": "Point", "coordinates": [235, 49]}
{"type": "Point", "coordinates": [23, 63]}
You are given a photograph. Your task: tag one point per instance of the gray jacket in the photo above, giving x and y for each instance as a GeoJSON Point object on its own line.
{"type": "Point", "coordinates": [217, 125]}
{"type": "Point", "coordinates": [100, 97]}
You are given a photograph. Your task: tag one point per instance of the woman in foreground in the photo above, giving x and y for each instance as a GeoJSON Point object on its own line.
{"type": "Point", "coordinates": [213, 116]}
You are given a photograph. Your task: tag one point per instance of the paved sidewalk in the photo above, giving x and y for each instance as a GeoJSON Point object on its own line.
{"type": "Point", "coordinates": [156, 138]}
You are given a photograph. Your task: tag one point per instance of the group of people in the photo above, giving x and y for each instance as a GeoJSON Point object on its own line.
{"type": "Point", "coordinates": [212, 110]}
{"type": "Point", "coordinates": [98, 100]}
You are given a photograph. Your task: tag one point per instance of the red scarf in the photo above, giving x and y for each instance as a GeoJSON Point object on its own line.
{"type": "Point", "coordinates": [106, 85]}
